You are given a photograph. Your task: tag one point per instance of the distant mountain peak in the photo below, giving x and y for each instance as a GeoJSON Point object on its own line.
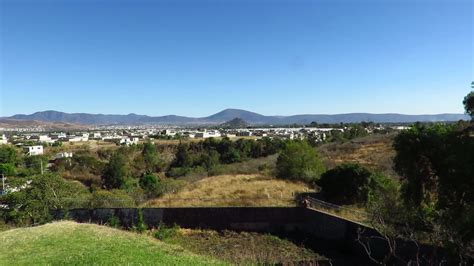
{"type": "Point", "coordinates": [230, 114]}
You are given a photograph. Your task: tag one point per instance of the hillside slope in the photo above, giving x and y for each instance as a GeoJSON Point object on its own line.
{"type": "Point", "coordinates": [66, 243]}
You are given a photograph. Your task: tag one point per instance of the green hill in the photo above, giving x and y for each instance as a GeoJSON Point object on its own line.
{"type": "Point", "coordinates": [65, 243]}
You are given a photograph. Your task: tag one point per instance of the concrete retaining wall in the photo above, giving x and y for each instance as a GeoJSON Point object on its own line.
{"type": "Point", "coordinates": [324, 231]}
{"type": "Point", "coordinates": [259, 219]}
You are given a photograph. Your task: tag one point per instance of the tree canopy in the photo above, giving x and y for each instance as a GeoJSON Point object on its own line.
{"type": "Point", "coordinates": [299, 161]}
{"type": "Point", "coordinates": [116, 172]}
{"type": "Point", "coordinates": [346, 183]}
{"type": "Point", "coordinates": [469, 103]}
{"type": "Point", "coordinates": [436, 163]}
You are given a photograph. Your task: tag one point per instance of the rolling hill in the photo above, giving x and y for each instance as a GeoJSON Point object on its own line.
{"type": "Point", "coordinates": [229, 114]}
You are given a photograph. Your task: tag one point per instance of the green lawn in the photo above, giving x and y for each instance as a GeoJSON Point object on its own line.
{"type": "Point", "coordinates": [65, 243]}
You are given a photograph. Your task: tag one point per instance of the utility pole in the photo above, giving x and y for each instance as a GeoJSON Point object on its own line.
{"type": "Point", "coordinates": [41, 167]}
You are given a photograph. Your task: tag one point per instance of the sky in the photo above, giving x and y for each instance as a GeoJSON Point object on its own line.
{"type": "Point", "coordinates": [198, 57]}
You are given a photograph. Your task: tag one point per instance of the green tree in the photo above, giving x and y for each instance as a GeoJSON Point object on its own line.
{"type": "Point", "coordinates": [116, 172]}
{"type": "Point", "coordinates": [232, 155]}
{"type": "Point", "coordinates": [299, 161]}
{"type": "Point", "coordinates": [419, 151]}
{"type": "Point", "coordinates": [355, 131]}
{"type": "Point", "coordinates": [152, 158]}
{"type": "Point", "coordinates": [33, 203]}
{"type": "Point", "coordinates": [8, 154]}
{"type": "Point", "coordinates": [148, 182]}
{"type": "Point", "coordinates": [183, 157]}
{"type": "Point", "coordinates": [36, 164]}
{"type": "Point", "coordinates": [346, 184]}
{"type": "Point", "coordinates": [468, 102]}
{"type": "Point", "coordinates": [437, 166]}
{"type": "Point", "coordinates": [7, 169]}
{"type": "Point", "coordinates": [209, 160]}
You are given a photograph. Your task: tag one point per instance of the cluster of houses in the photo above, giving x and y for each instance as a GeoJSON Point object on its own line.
{"type": "Point", "coordinates": [33, 142]}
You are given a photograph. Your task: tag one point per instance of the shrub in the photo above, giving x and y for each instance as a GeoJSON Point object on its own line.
{"type": "Point", "coordinates": [165, 232]}
{"type": "Point", "coordinates": [299, 161]}
{"type": "Point", "coordinates": [8, 154]}
{"type": "Point", "coordinates": [140, 226]}
{"type": "Point", "coordinates": [148, 182]}
{"type": "Point", "coordinates": [8, 169]}
{"type": "Point", "coordinates": [32, 203]}
{"type": "Point", "coordinates": [178, 171]}
{"type": "Point", "coordinates": [346, 184]}
{"type": "Point", "coordinates": [114, 222]}
{"type": "Point", "coordinates": [116, 171]}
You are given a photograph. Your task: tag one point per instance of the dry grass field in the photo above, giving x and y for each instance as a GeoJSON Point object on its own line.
{"type": "Point", "coordinates": [375, 152]}
{"type": "Point", "coordinates": [234, 190]}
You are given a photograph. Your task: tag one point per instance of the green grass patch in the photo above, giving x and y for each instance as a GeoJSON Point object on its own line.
{"type": "Point", "coordinates": [65, 243]}
{"type": "Point", "coordinates": [239, 248]}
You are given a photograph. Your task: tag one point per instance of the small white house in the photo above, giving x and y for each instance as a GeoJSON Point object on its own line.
{"type": "Point", "coordinates": [34, 150]}
{"type": "Point", "coordinates": [170, 132]}
{"type": "Point", "coordinates": [208, 134]}
{"type": "Point", "coordinates": [129, 141]}
{"type": "Point", "coordinates": [3, 139]}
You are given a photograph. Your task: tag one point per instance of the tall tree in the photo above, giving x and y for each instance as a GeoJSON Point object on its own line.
{"type": "Point", "coordinates": [469, 102]}
{"type": "Point", "coordinates": [151, 157]}
{"type": "Point", "coordinates": [299, 161]}
{"type": "Point", "coordinates": [116, 171]}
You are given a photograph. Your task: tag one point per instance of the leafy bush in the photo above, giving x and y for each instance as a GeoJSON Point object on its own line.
{"type": "Point", "coordinates": [32, 204]}
{"type": "Point", "coordinates": [346, 184]}
{"type": "Point", "coordinates": [165, 232]}
{"type": "Point", "coordinates": [116, 172]}
{"type": "Point", "coordinates": [8, 154]}
{"type": "Point", "coordinates": [436, 163]}
{"type": "Point", "coordinates": [7, 169]}
{"type": "Point", "coordinates": [140, 226]}
{"type": "Point", "coordinates": [148, 182]}
{"type": "Point", "coordinates": [299, 161]}
{"type": "Point", "coordinates": [114, 222]}
{"type": "Point", "coordinates": [178, 171]}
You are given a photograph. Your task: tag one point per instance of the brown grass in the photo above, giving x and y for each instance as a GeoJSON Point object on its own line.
{"type": "Point", "coordinates": [234, 190]}
{"type": "Point", "coordinates": [374, 152]}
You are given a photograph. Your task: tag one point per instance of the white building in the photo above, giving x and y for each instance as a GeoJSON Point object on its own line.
{"type": "Point", "coordinates": [208, 134]}
{"type": "Point", "coordinates": [170, 132]}
{"type": "Point", "coordinates": [64, 154]}
{"type": "Point", "coordinates": [129, 141]}
{"type": "Point", "coordinates": [3, 139]}
{"type": "Point", "coordinates": [34, 150]}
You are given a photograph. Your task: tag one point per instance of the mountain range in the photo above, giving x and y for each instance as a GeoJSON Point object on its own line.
{"type": "Point", "coordinates": [229, 114]}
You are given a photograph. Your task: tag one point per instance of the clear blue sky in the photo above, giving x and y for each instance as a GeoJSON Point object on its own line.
{"type": "Point", "coordinates": [197, 57]}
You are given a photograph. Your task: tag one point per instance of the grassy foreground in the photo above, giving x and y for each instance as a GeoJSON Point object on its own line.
{"type": "Point", "coordinates": [65, 243]}
{"type": "Point", "coordinates": [244, 248]}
